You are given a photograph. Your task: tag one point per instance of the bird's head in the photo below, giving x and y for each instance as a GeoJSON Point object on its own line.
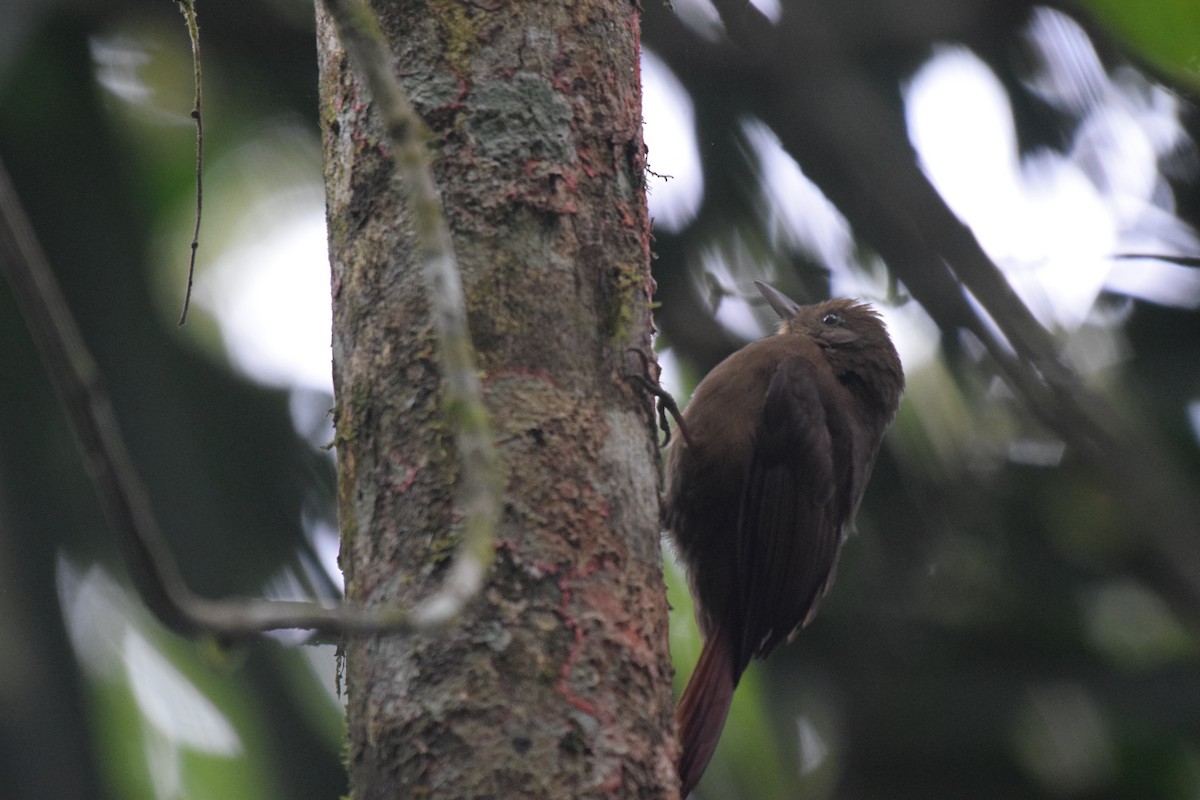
{"type": "Point", "coordinates": [836, 324]}
{"type": "Point", "coordinates": [850, 332]}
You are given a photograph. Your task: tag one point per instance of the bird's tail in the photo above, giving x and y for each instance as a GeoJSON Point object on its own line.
{"type": "Point", "coordinates": [703, 708]}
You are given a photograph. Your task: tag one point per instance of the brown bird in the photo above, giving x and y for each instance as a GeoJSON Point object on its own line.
{"type": "Point", "coordinates": [781, 439]}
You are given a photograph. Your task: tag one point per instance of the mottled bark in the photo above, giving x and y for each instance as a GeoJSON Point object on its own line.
{"type": "Point", "coordinates": [556, 683]}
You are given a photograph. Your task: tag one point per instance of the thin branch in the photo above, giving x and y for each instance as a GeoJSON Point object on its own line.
{"type": "Point", "coordinates": [122, 495]}
{"type": "Point", "coordinates": [188, 8]}
{"type": "Point", "coordinates": [1183, 261]}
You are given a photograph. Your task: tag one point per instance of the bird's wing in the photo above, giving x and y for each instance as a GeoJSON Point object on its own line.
{"type": "Point", "coordinates": [789, 525]}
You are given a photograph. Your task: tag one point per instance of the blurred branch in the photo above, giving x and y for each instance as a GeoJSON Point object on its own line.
{"type": "Point", "coordinates": [684, 313]}
{"type": "Point", "coordinates": [1183, 261]}
{"type": "Point", "coordinates": [849, 136]}
{"type": "Point", "coordinates": [77, 379]}
{"type": "Point", "coordinates": [122, 495]}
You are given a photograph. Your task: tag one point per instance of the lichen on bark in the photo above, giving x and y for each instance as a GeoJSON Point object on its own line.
{"type": "Point", "coordinates": [557, 681]}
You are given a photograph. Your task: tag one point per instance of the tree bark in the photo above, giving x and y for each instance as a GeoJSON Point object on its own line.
{"type": "Point", "coordinates": [557, 681]}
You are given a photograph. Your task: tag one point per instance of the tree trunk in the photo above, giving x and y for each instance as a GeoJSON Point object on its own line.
{"type": "Point", "coordinates": [556, 683]}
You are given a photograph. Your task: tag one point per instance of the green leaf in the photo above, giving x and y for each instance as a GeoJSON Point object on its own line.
{"type": "Point", "coordinates": [1164, 32]}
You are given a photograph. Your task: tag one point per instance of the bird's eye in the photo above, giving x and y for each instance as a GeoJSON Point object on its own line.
{"type": "Point", "coordinates": [831, 319]}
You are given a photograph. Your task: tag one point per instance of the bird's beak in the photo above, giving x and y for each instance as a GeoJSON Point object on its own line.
{"type": "Point", "coordinates": [784, 306]}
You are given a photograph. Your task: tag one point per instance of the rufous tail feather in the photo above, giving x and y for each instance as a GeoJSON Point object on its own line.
{"type": "Point", "coordinates": [702, 709]}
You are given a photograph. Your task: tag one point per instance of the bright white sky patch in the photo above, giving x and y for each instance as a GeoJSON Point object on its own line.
{"type": "Point", "coordinates": [1054, 221]}
{"type": "Point", "coordinates": [797, 212]}
{"type": "Point", "coordinates": [772, 9]}
{"type": "Point", "coordinates": [811, 745]}
{"type": "Point", "coordinates": [1042, 221]}
{"type": "Point", "coordinates": [269, 292]}
{"type": "Point", "coordinates": [960, 122]}
{"type": "Point", "coordinates": [670, 133]}
{"type": "Point", "coordinates": [701, 16]}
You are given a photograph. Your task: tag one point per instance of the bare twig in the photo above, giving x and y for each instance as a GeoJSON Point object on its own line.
{"type": "Point", "coordinates": [188, 8]}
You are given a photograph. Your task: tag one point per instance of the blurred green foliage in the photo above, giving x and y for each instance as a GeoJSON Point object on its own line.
{"type": "Point", "coordinates": [1163, 32]}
